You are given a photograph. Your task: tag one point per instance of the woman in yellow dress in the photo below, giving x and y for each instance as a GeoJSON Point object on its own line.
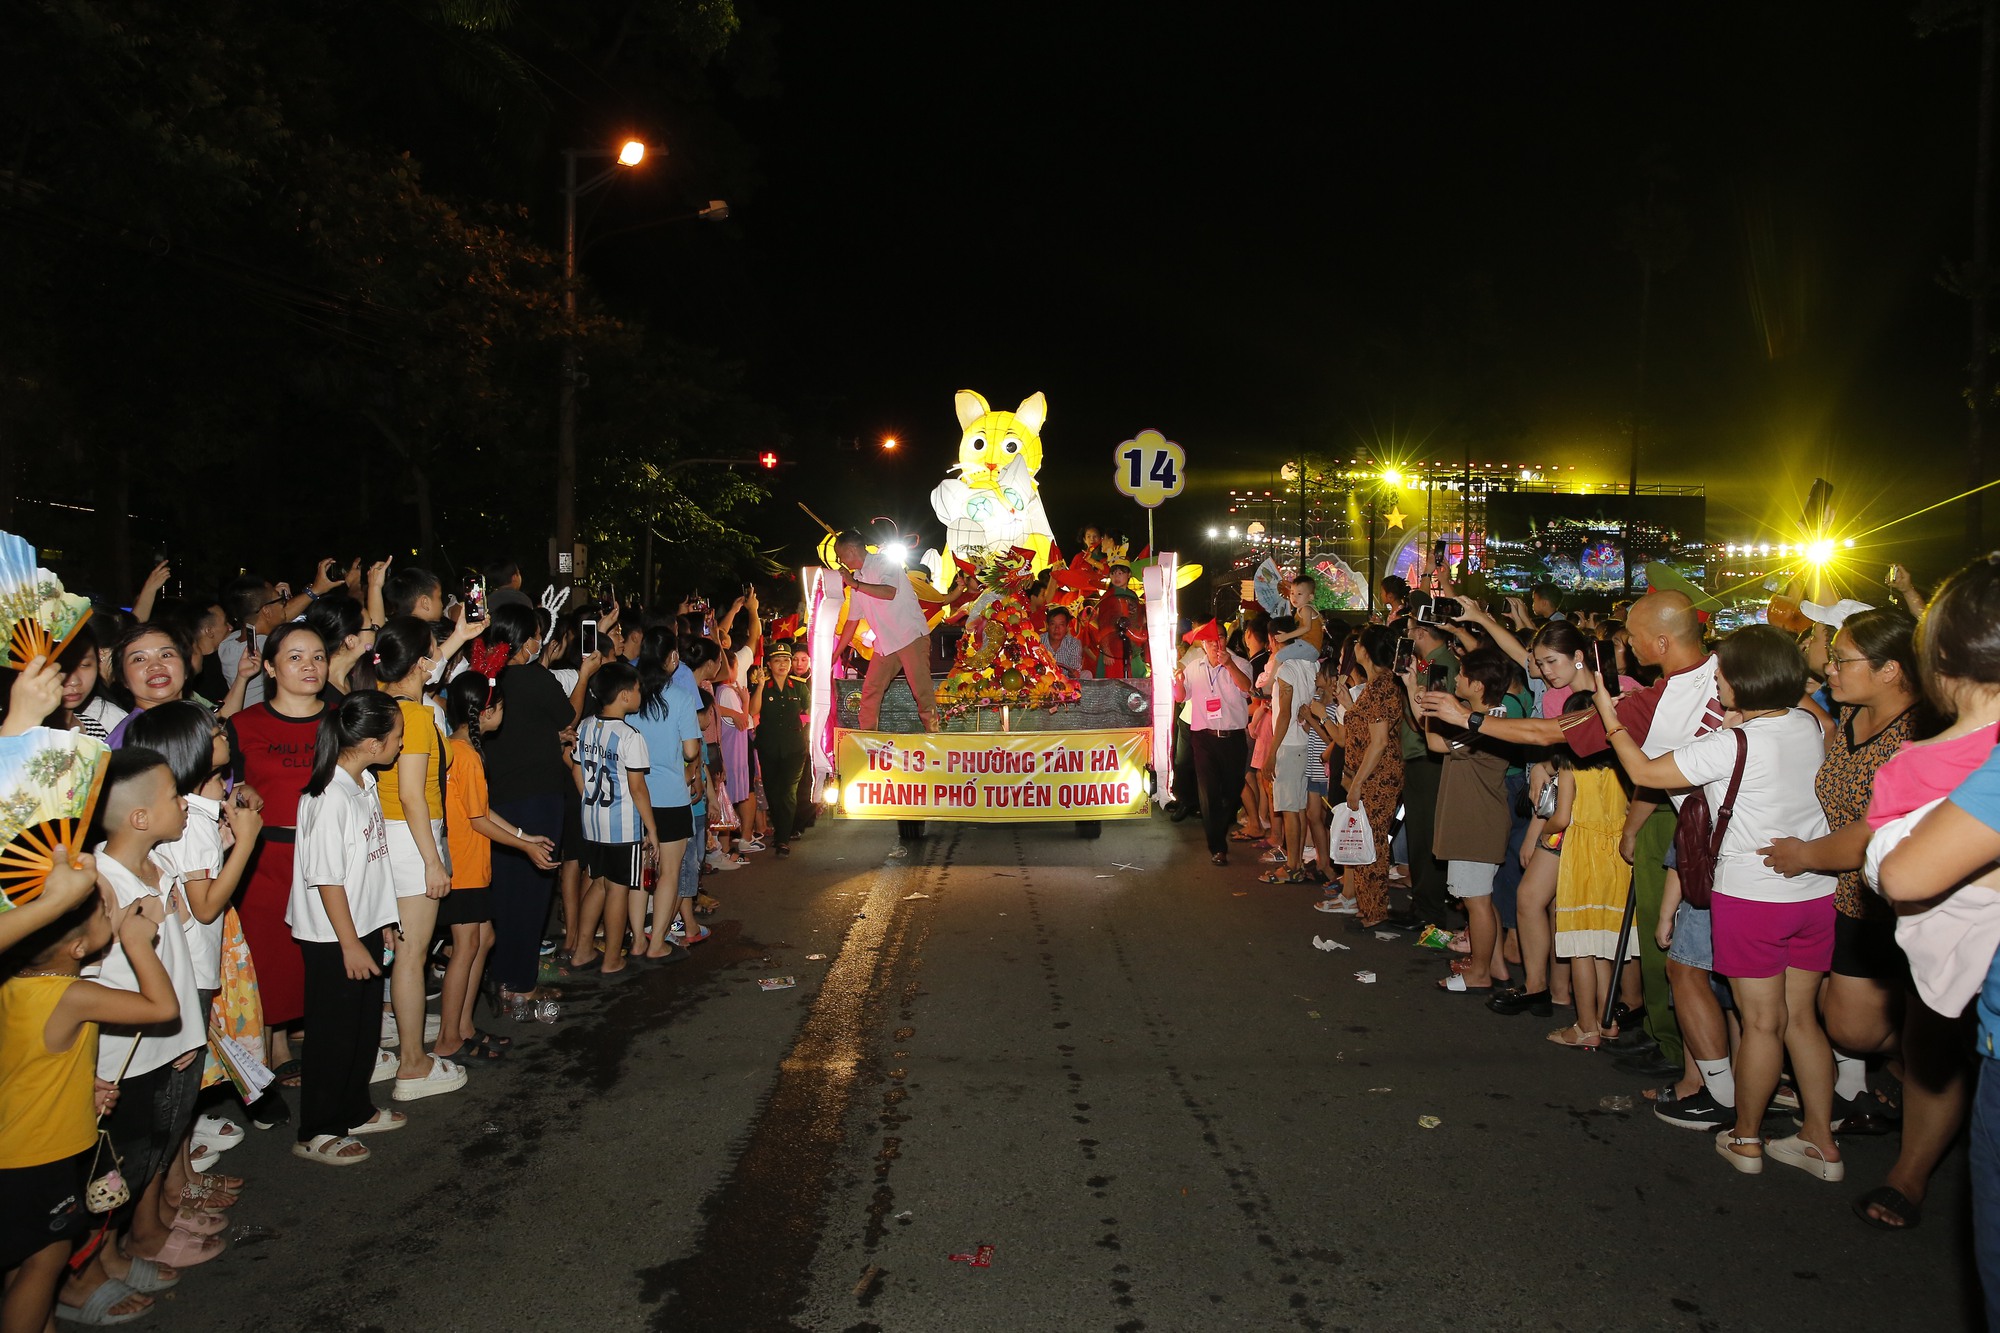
{"type": "Point", "coordinates": [1591, 884]}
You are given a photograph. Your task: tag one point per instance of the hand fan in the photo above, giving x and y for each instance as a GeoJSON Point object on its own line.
{"type": "Point", "coordinates": [1271, 589]}
{"type": "Point", "coordinates": [37, 618]}
{"type": "Point", "coordinates": [49, 784]}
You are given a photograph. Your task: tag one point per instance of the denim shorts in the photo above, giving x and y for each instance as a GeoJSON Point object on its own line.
{"type": "Point", "coordinates": [1694, 942]}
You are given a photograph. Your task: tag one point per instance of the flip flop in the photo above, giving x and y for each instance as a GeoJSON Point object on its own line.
{"type": "Point", "coordinates": [1455, 985]}
{"type": "Point", "coordinates": [623, 974]}
{"type": "Point", "coordinates": [497, 1042]}
{"type": "Point", "coordinates": [1894, 1202]}
{"type": "Point", "coordinates": [691, 940]}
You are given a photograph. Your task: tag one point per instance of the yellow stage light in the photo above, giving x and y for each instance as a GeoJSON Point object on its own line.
{"type": "Point", "coordinates": [1392, 477]}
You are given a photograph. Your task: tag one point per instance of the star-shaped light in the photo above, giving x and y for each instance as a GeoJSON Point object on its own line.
{"type": "Point", "coordinates": [1394, 518]}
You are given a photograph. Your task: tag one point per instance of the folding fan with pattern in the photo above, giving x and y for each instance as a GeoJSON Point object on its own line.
{"type": "Point", "coordinates": [37, 618]}
{"type": "Point", "coordinates": [49, 785]}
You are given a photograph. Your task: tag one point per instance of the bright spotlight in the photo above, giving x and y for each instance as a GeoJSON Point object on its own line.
{"type": "Point", "coordinates": [1213, 533]}
{"type": "Point", "coordinates": [895, 551]}
{"type": "Point", "coordinates": [1392, 477]}
{"type": "Point", "coordinates": [632, 154]}
{"type": "Point", "coordinates": [1847, 542]}
{"type": "Point", "coordinates": [1819, 552]}
{"type": "Point", "coordinates": [890, 442]}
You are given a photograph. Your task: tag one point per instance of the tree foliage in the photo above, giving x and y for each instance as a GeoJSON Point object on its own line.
{"type": "Point", "coordinates": [234, 291]}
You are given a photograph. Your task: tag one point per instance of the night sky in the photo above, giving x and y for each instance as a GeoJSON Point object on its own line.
{"type": "Point", "coordinates": [1395, 227]}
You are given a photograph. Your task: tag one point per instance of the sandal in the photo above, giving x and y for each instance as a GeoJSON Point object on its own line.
{"type": "Point", "coordinates": [227, 1184]}
{"type": "Point", "coordinates": [332, 1150]}
{"type": "Point", "coordinates": [1276, 877]}
{"type": "Point", "coordinates": [1726, 1144]}
{"type": "Point", "coordinates": [183, 1250]}
{"type": "Point", "coordinates": [1581, 1042]}
{"type": "Point", "coordinates": [203, 1196]}
{"type": "Point", "coordinates": [96, 1311]}
{"type": "Point", "coordinates": [380, 1123]}
{"type": "Point", "coordinates": [147, 1277]}
{"type": "Point", "coordinates": [1455, 985]}
{"type": "Point", "coordinates": [1909, 1215]}
{"type": "Point", "coordinates": [494, 1040]}
{"type": "Point", "coordinates": [474, 1049]}
{"type": "Point", "coordinates": [1806, 1156]}
{"type": "Point", "coordinates": [289, 1074]}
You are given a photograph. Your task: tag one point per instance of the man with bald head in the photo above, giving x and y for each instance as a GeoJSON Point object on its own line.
{"type": "Point", "coordinates": [1662, 717]}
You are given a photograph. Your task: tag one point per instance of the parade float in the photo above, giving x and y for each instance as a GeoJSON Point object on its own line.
{"type": "Point", "coordinates": [1018, 740]}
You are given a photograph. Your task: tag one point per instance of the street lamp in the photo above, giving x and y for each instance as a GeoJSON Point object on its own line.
{"type": "Point", "coordinates": [629, 154]}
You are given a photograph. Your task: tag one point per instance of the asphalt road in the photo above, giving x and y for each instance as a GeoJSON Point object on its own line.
{"type": "Point", "coordinates": [1124, 1070]}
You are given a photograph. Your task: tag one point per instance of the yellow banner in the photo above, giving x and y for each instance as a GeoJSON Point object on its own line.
{"type": "Point", "coordinates": [993, 776]}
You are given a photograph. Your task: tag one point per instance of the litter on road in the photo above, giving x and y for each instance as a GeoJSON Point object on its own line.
{"type": "Point", "coordinates": [1429, 1121]}
{"type": "Point", "coordinates": [1389, 936]}
{"type": "Point", "coordinates": [1327, 946]}
{"type": "Point", "coordinates": [815, 957]}
{"type": "Point", "coordinates": [980, 1258]}
{"type": "Point", "coordinates": [1365, 978]}
{"type": "Point", "coordinates": [776, 983]}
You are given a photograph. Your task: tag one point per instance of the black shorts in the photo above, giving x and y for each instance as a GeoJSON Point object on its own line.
{"type": "Point", "coordinates": [44, 1205]}
{"type": "Point", "coordinates": [1866, 947]}
{"type": "Point", "coordinates": [465, 907]}
{"type": "Point", "coordinates": [619, 862]}
{"type": "Point", "coordinates": [673, 823]}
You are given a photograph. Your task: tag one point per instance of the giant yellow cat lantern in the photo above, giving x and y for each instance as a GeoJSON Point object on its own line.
{"type": "Point", "coordinates": [992, 503]}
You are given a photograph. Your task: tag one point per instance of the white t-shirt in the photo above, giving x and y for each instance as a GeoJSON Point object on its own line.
{"type": "Point", "coordinates": [162, 1043]}
{"type": "Point", "coordinates": [1776, 800]}
{"type": "Point", "coordinates": [342, 839]}
{"type": "Point", "coordinates": [897, 621]}
{"type": "Point", "coordinates": [609, 749]}
{"type": "Point", "coordinates": [197, 854]}
{"type": "Point", "coordinates": [1302, 675]}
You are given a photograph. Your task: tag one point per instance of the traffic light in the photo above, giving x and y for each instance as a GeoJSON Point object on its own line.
{"type": "Point", "coordinates": [768, 460]}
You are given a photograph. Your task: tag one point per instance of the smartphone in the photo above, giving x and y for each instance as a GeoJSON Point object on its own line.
{"type": "Point", "coordinates": [475, 601]}
{"type": "Point", "coordinates": [1607, 666]}
{"type": "Point", "coordinates": [1435, 677]}
{"type": "Point", "coordinates": [1406, 655]}
{"type": "Point", "coordinates": [586, 637]}
{"type": "Point", "coordinates": [1440, 611]}
{"type": "Point", "coordinates": [1890, 577]}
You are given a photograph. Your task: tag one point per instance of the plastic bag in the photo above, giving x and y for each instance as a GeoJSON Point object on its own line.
{"type": "Point", "coordinates": [1353, 840]}
{"type": "Point", "coordinates": [722, 810]}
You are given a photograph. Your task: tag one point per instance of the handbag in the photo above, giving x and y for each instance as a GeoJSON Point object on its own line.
{"type": "Point", "coordinates": [1353, 840]}
{"type": "Point", "coordinates": [109, 1191]}
{"type": "Point", "coordinates": [1545, 799]}
{"type": "Point", "coordinates": [1696, 846]}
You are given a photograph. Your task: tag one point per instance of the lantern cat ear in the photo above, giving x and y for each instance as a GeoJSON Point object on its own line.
{"type": "Point", "coordinates": [971, 407]}
{"type": "Point", "coordinates": [1032, 412]}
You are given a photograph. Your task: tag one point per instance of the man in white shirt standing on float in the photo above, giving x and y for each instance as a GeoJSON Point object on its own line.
{"type": "Point", "coordinates": [902, 633]}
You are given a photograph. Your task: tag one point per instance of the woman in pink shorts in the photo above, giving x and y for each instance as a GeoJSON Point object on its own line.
{"type": "Point", "coordinates": [1773, 933]}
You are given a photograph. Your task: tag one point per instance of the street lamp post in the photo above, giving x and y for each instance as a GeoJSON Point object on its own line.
{"type": "Point", "coordinates": [630, 154]}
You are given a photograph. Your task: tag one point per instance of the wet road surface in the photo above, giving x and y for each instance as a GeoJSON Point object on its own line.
{"type": "Point", "coordinates": [1151, 1097]}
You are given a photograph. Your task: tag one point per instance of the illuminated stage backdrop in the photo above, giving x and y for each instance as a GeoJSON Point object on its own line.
{"type": "Point", "coordinates": [1576, 541]}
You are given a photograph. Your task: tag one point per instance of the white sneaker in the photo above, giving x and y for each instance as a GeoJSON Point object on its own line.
{"type": "Point", "coordinates": [717, 861]}
{"type": "Point", "coordinates": [444, 1076]}
{"type": "Point", "coordinates": [1338, 906]}
{"type": "Point", "coordinates": [386, 1065]}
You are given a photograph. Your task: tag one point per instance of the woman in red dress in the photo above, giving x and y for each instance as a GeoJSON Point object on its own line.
{"type": "Point", "coordinates": [273, 747]}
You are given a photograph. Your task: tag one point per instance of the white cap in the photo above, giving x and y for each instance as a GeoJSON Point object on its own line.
{"type": "Point", "coordinates": [1833, 616]}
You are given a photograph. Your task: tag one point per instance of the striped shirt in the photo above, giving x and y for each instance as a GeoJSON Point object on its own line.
{"type": "Point", "coordinates": [607, 749]}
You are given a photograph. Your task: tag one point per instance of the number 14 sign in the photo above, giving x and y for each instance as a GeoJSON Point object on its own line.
{"type": "Point", "coordinates": [1150, 468]}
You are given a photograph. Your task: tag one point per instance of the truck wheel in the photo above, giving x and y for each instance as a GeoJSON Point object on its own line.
{"type": "Point", "coordinates": [1089, 829]}
{"type": "Point", "coordinates": [909, 830]}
